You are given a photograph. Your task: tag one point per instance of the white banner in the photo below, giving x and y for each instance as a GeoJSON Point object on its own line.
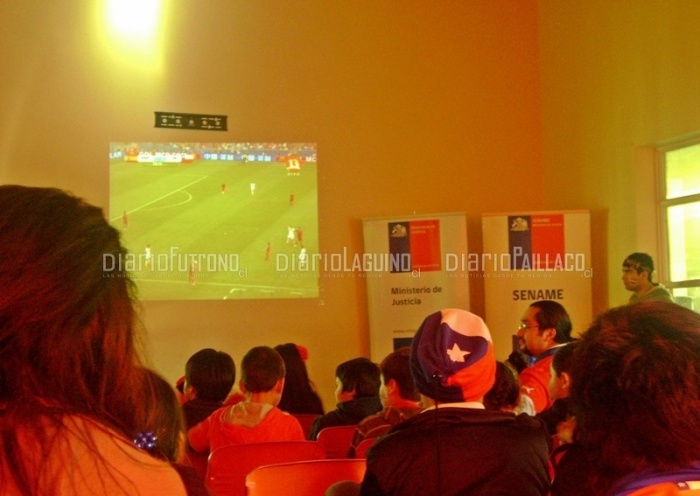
{"type": "Point", "coordinates": [419, 275]}
{"type": "Point", "coordinates": [535, 256]}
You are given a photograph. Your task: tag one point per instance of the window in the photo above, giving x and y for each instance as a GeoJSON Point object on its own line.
{"type": "Point", "coordinates": [680, 220]}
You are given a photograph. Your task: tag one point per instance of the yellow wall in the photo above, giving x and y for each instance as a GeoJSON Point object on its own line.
{"type": "Point", "coordinates": [455, 84]}
{"type": "Point", "coordinates": [617, 77]}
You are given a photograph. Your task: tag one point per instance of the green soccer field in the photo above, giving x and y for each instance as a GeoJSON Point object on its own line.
{"type": "Point", "coordinates": [184, 213]}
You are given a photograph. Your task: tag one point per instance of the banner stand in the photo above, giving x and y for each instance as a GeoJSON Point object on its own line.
{"type": "Point", "coordinates": [412, 274]}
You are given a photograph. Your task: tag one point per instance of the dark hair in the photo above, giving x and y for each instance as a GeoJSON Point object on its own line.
{"type": "Point", "coordinates": [563, 359]}
{"type": "Point", "coordinates": [211, 373]}
{"type": "Point", "coordinates": [299, 394]}
{"type": "Point", "coordinates": [67, 325]}
{"type": "Point", "coordinates": [552, 315]}
{"type": "Point", "coordinates": [396, 365]}
{"type": "Point", "coordinates": [163, 420]}
{"type": "Point", "coordinates": [641, 262]}
{"type": "Point", "coordinates": [261, 368]}
{"type": "Point", "coordinates": [636, 390]}
{"type": "Point", "coordinates": [360, 375]}
{"type": "Point", "coordinates": [517, 360]}
{"type": "Point", "coordinates": [505, 393]}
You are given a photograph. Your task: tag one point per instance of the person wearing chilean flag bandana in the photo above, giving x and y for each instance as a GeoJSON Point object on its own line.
{"type": "Point", "coordinates": [455, 446]}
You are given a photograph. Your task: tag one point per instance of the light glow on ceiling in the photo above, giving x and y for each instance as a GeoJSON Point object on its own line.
{"type": "Point", "coordinates": [132, 32]}
{"type": "Point", "coordinates": [134, 21]}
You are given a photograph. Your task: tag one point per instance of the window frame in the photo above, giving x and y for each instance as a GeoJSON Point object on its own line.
{"type": "Point", "coordinates": [664, 204]}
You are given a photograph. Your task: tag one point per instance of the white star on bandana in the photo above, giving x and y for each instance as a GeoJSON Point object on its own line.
{"type": "Point", "coordinates": [456, 354]}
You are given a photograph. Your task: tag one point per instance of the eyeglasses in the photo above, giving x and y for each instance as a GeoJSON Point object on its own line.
{"type": "Point", "coordinates": [524, 326]}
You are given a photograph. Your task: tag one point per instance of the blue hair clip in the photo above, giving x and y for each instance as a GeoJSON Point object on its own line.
{"type": "Point", "coordinates": [145, 440]}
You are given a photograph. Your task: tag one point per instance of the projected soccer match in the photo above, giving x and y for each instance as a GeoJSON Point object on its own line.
{"type": "Point", "coordinates": [216, 220]}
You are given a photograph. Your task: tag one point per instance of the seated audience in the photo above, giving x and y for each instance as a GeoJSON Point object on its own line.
{"type": "Point", "coordinates": [256, 419]}
{"type": "Point", "coordinates": [299, 395]}
{"type": "Point", "coordinates": [71, 384]}
{"type": "Point", "coordinates": [209, 377]}
{"type": "Point", "coordinates": [356, 392]}
{"type": "Point", "coordinates": [557, 417]}
{"type": "Point", "coordinates": [505, 394]}
{"type": "Point", "coordinates": [163, 432]}
{"type": "Point", "coordinates": [635, 391]}
{"type": "Point", "coordinates": [544, 328]}
{"type": "Point", "coordinates": [455, 446]}
{"type": "Point", "coordinates": [398, 395]}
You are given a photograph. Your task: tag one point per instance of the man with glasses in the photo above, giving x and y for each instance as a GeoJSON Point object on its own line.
{"type": "Point", "coordinates": [544, 328]}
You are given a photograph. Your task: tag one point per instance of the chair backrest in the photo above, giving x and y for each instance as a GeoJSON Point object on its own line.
{"type": "Point", "coordinates": [336, 440]}
{"type": "Point", "coordinates": [365, 444]}
{"type": "Point", "coordinates": [306, 420]}
{"type": "Point", "coordinates": [310, 478]}
{"type": "Point", "coordinates": [228, 466]}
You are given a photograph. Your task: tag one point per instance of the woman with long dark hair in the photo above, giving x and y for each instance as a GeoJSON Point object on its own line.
{"type": "Point", "coordinates": [299, 395]}
{"type": "Point", "coordinates": [71, 381]}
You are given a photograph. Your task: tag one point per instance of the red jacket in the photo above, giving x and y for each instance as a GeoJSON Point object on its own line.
{"type": "Point", "coordinates": [534, 383]}
{"type": "Point", "coordinates": [242, 423]}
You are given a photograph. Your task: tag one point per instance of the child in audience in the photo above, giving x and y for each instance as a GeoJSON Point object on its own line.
{"type": "Point", "coordinates": [504, 396]}
{"type": "Point", "coordinates": [357, 393]}
{"type": "Point", "coordinates": [257, 418]}
{"type": "Point", "coordinates": [299, 395]}
{"type": "Point", "coordinates": [557, 417]}
{"type": "Point", "coordinates": [209, 377]}
{"type": "Point", "coordinates": [163, 432]}
{"type": "Point", "coordinates": [398, 395]}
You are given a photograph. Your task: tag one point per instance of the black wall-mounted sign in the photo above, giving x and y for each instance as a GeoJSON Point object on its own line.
{"type": "Point", "coordinates": [204, 122]}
